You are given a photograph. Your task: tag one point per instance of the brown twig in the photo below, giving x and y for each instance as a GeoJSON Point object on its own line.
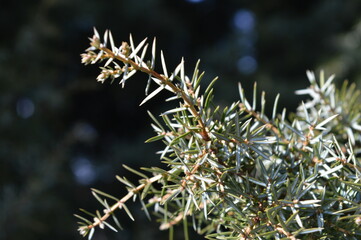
{"type": "Point", "coordinates": [123, 200]}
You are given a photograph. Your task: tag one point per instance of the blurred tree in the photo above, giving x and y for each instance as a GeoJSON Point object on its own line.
{"type": "Point", "coordinates": [62, 133]}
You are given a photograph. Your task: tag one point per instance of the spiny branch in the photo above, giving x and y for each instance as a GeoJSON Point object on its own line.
{"type": "Point", "coordinates": [164, 80]}
{"type": "Point", "coordinates": [122, 201]}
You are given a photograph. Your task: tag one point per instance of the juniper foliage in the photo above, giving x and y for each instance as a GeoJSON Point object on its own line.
{"type": "Point", "coordinates": [235, 173]}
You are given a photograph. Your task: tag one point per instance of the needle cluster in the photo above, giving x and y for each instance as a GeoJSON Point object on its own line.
{"type": "Point", "coordinates": [233, 172]}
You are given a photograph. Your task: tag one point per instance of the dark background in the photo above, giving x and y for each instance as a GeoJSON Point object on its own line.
{"type": "Point", "coordinates": [62, 133]}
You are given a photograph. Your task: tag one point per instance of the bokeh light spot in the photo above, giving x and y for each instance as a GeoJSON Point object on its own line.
{"type": "Point", "coordinates": [247, 65]}
{"type": "Point", "coordinates": [83, 170]}
{"type": "Point", "coordinates": [85, 132]}
{"type": "Point", "coordinates": [244, 20]}
{"type": "Point", "coordinates": [25, 107]}
{"type": "Point", "coordinates": [195, 1]}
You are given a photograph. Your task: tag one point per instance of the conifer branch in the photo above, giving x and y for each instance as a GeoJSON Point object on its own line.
{"type": "Point", "coordinates": [232, 170]}
{"type": "Point", "coordinates": [99, 220]}
{"type": "Point", "coordinates": [106, 53]}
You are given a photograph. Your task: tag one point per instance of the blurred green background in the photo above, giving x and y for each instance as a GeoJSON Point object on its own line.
{"type": "Point", "coordinates": [62, 133]}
